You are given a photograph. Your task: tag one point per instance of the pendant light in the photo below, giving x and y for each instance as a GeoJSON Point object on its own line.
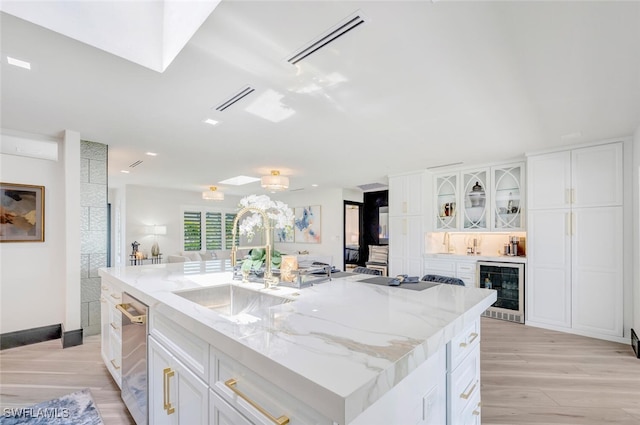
{"type": "Point", "coordinates": [212, 194]}
{"type": "Point", "coordinates": [275, 182]}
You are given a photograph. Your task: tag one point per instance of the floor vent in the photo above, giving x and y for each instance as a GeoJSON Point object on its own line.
{"type": "Point", "coordinates": [503, 316]}
{"type": "Point", "coordinates": [135, 164]}
{"type": "Point", "coordinates": [244, 92]}
{"type": "Point", "coordinates": [329, 36]}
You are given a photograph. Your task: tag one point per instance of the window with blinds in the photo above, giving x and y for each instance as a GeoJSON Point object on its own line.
{"type": "Point", "coordinates": [192, 231]}
{"type": "Point", "coordinates": [216, 230]}
{"type": "Point", "coordinates": [213, 232]}
{"type": "Point", "coordinates": [228, 230]}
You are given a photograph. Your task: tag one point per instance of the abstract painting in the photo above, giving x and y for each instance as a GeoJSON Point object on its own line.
{"type": "Point", "coordinates": [21, 213]}
{"type": "Point", "coordinates": [285, 234]}
{"type": "Point", "coordinates": [307, 224]}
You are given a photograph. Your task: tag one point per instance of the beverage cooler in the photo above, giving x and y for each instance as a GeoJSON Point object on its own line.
{"type": "Point", "coordinates": [508, 280]}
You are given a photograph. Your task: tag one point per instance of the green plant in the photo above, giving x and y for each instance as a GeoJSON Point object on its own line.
{"type": "Point", "coordinates": [257, 258]}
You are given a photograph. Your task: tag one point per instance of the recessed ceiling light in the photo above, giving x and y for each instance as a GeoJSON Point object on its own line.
{"type": "Point", "coordinates": [210, 121]}
{"type": "Point", "coordinates": [18, 62]}
{"type": "Point", "coordinates": [239, 180]}
{"type": "Point", "coordinates": [152, 154]}
{"type": "Point", "coordinates": [314, 185]}
{"type": "Point", "coordinates": [124, 171]}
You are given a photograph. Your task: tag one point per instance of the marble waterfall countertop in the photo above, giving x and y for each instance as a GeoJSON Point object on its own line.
{"type": "Point", "coordinates": [338, 347]}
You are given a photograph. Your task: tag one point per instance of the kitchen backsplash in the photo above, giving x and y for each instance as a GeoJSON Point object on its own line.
{"type": "Point", "coordinates": [489, 244]}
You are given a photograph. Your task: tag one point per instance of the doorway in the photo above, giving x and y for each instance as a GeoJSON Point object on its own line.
{"type": "Point", "coordinates": [352, 241]}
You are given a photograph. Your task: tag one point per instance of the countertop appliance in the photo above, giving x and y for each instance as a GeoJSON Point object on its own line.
{"type": "Point", "coordinates": [135, 391]}
{"type": "Point", "coordinates": [508, 280]}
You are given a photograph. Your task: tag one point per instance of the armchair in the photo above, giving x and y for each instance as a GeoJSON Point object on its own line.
{"type": "Point", "coordinates": [378, 258]}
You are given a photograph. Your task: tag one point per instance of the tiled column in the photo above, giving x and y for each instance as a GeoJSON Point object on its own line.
{"type": "Point", "coordinates": [93, 249]}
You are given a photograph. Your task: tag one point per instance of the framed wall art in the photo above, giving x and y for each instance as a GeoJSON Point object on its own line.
{"type": "Point", "coordinates": [21, 213]}
{"type": "Point", "coordinates": [307, 224]}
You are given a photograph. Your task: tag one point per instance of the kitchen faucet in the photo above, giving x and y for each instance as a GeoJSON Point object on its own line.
{"type": "Point", "coordinates": [269, 279]}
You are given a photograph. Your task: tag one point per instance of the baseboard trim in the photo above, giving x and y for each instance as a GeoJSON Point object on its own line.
{"type": "Point", "coordinates": [620, 340]}
{"type": "Point", "coordinates": [30, 336]}
{"type": "Point", "coordinates": [71, 338]}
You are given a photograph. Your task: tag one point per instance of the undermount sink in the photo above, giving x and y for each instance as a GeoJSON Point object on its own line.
{"type": "Point", "coordinates": [232, 299]}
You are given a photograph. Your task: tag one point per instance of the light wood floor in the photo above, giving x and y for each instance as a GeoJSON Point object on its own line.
{"type": "Point", "coordinates": [529, 376]}
{"type": "Point", "coordinates": [44, 371]}
{"type": "Point", "coordinates": [535, 376]}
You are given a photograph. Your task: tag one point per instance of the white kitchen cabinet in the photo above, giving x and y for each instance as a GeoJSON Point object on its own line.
{"type": "Point", "coordinates": [176, 395]}
{"type": "Point", "coordinates": [406, 230]}
{"type": "Point", "coordinates": [446, 202]}
{"type": "Point", "coordinates": [457, 266]}
{"type": "Point", "coordinates": [463, 377]}
{"type": "Point", "coordinates": [475, 200]}
{"type": "Point", "coordinates": [405, 245]}
{"type": "Point", "coordinates": [575, 240]}
{"type": "Point", "coordinates": [480, 199]}
{"type": "Point", "coordinates": [111, 329]}
{"type": "Point", "coordinates": [221, 413]}
{"type": "Point", "coordinates": [405, 194]}
{"type": "Point", "coordinates": [507, 183]}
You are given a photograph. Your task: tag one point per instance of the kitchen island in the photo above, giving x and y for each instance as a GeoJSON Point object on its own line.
{"type": "Point", "coordinates": [341, 351]}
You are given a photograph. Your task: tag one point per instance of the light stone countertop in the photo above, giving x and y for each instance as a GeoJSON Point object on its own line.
{"type": "Point", "coordinates": [338, 347]}
{"type": "Point", "coordinates": [464, 257]}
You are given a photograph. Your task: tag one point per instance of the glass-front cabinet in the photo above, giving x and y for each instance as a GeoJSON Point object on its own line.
{"type": "Point", "coordinates": [446, 202]}
{"type": "Point", "coordinates": [476, 200]}
{"type": "Point", "coordinates": [508, 195]}
{"type": "Point", "coordinates": [480, 199]}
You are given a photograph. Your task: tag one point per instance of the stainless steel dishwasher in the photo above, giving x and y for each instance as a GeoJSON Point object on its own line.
{"type": "Point", "coordinates": [135, 391]}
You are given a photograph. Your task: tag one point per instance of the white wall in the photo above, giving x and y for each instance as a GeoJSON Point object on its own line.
{"type": "Point", "coordinates": [32, 276]}
{"type": "Point", "coordinates": [146, 206]}
{"type": "Point", "coordinates": [331, 202]}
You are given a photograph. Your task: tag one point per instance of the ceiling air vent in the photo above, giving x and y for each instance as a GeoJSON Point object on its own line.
{"type": "Point", "coordinates": [135, 164]}
{"type": "Point", "coordinates": [370, 187]}
{"type": "Point", "coordinates": [245, 91]}
{"type": "Point", "coordinates": [332, 34]}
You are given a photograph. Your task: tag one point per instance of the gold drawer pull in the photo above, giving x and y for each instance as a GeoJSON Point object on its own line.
{"type": "Point", "coordinates": [231, 384]}
{"type": "Point", "coordinates": [473, 337]}
{"type": "Point", "coordinates": [113, 362]}
{"type": "Point", "coordinates": [466, 395]}
{"type": "Point", "coordinates": [134, 319]}
{"type": "Point", "coordinates": [113, 325]}
{"type": "Point", "coordinates": [116, 296]}
{"type": "Point", "coordinates": [476, 412]}
{"type": "Point", "coordinates": [166, 396]}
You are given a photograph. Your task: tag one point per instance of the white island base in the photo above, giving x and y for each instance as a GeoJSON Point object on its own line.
{"type": "Point", "coordinates": [343, 352]}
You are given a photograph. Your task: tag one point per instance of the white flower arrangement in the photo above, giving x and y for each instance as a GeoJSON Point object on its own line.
{"type": "Point", "coordinates": [279, 213]}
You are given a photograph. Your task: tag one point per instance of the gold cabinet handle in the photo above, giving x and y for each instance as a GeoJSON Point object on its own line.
{"type": "Point", "coordinates": [113, 362]}
{"type": "Point", "coordinates": [473, 336]}
{"type": "Point", "coordinates": [166, 395]}
{"type": "Point", "coordinates": [476, 412]}
{"type": "Point", "coordinates": [466, 395]}
{"type": "Point", "coordinates": [135, 319]}
{"type": "Point", "coordinates": [116, 296]}
{"type": "Point", "coordinates": [113, 325]}
{"type": "Point", "coordinates": [231, 384]}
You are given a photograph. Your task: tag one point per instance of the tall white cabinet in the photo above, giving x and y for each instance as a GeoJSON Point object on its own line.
{"type": "Point", "coordinates": [406, 231]}
{"type": "Point", "coordinates": [575, 240]}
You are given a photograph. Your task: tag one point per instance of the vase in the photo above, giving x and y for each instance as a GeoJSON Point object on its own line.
{"type": "Point", "coordinates": [155, 249]}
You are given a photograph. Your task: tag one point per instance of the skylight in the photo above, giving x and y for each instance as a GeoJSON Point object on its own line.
{"type": "Point", "coordinates": [239, 180]}
{"type": "Point", "coordinates": [18, 62]}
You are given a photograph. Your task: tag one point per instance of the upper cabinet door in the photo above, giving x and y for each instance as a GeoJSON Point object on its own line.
{"type": "Point", "coordinates": [446, 202]}
{"type": "Point", "coordinates": [596, 176]}
{"type": "Point", "coordinates": [476, 200]}
{"type": "Point", "coordinates": [405, 194]}
{"type": "Point", "coordinates": [549, 180]}
{"type": "Point", "coordinates": [508, 197]}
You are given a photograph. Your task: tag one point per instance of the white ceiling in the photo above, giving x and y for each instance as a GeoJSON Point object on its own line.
{"type": "Point", "coordinates": [419, 84]}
